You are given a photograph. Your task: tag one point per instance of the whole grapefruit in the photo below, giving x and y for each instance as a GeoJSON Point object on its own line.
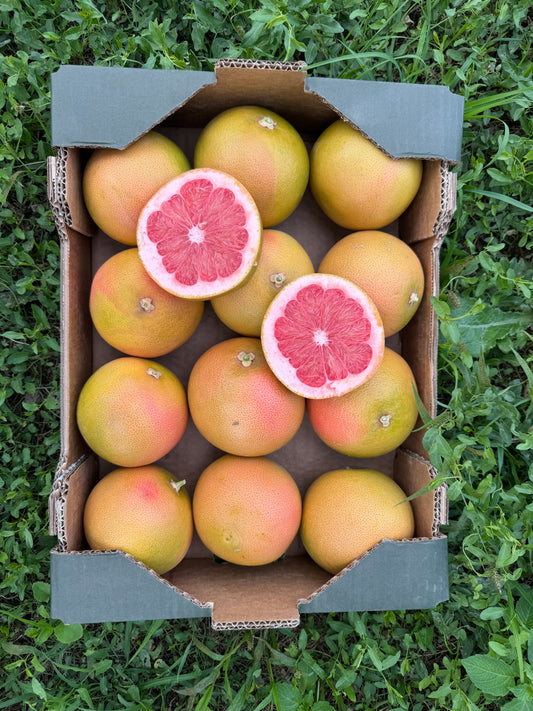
{"type": "Point", "coordinates": [238, 404]}
{"type": "Point", "coordinates": [373, 419]}
{"type": "Point", "coordinates": [263, 151]}
{"type": "Point", "coordinates": [132, 411]}
{"type": "Point", "coordinates": [247, 510]}
{"type": "Point", "coordinates": [282, 260]}
{"type": "Point", "coordinates": [357, 184]}
{"type": "Point", "coordinates": [322, 336]}
{"type": "Point", "coordinates": [118, 183]}
{"type": "Point", "coordinates": [142, 511]}
{"type": "Point", "coordinates": [384, 267]}
{"type": "Point", "coordinates": [134, 314]}
{"type": "Point", "coordinates": [347, 511]}
{"type": "Point", "coordinates": [200, 234]}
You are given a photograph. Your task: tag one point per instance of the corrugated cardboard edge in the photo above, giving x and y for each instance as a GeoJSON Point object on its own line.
{"type": "Point", "coordinates": [57, 179]}
{"type": "Point", "coordinates": [448, 201]}
{"type": "Point", "coordinates": [58, 498]}
{"type": "Point", "coordinates": [57, 190]}
{"type": "Point", "coordinates": [267, 64]}
{"type": "Point", "coordinates": [257, 625]}
{"type": "Point", "coordinates": [440, 499]}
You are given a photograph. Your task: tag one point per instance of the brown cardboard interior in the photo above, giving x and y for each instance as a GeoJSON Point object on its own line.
{"type": "Point", "coordinates": [271, 592]}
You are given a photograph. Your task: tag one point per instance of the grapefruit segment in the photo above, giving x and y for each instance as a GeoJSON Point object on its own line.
{"type": "Point", "coordinates": [322, 336]}
{"type": "Point", "coordinates": [200, 234]}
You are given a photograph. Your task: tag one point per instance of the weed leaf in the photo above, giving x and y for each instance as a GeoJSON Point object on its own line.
{"type": "Point", "coordinates": [489, 675]}
{"type": "Point", "coordinates": [68, 633]}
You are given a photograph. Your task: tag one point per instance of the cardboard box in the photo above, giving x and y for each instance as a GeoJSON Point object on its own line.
{"type": "Point", "coordinates": [102, 106]}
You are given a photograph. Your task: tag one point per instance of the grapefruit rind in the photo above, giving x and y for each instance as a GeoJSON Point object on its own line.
{"type": "Point", "coordinates": [134, 314]}
{"type": "Point", "coordinates": [246, 510]}
{"type": "Point", "coordinates": [116, 183]}
{"type": "Point", "coordinates": [173, 234]}
{"type": "Point", "coordinates": [142, 511]}
{"type": "Point", "coordinates": [327, 346]}
{"type": "Point", "coordinates": [264, 152]}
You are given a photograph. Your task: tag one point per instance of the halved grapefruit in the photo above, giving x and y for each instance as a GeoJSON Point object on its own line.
{"type": "Point", "coordinates": [322, 336]}
{"type": "Point", "coordinates": [200, 234]}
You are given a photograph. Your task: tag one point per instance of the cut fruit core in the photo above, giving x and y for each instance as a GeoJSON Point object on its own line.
{"type": "Point", "coordinates": [200, 234]}
{"type": "Point", "coordinates": [322, 336]}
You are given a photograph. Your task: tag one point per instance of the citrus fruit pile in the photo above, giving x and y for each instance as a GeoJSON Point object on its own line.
{"type": "Point", "coordinates": [303, 339]}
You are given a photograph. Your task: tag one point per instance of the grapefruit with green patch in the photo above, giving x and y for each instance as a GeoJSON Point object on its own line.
{"type": "Point", "coordinates": [143, 511]}
{"type": "Point", "coordinates": [117, 183]}
{"type": "Point", "coordinates": [264, 152]}
{"type": "Point", "coordinates": [322, 336]}
{"type": "Point", "coordinates": [282, 260]}
{"type": "Point", "coordinates": [132, 411]}
{"type": "Point", "coordinates": [238, 404]}
{"type": "Point", "coordinates": [200, 234]}
{"type": "Point", "coordinates": [134, 314]}
{"type": "Point", "coordinates": [246, 510]}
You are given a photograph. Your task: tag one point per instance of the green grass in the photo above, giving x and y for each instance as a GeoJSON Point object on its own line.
{"type": "Point", "coordinates": [474, 651]}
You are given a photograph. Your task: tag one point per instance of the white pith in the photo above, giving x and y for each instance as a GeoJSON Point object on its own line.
{"type": "Point", "coordinates": [321, 337]}
{"type": "Point", "coordinates": [196, 234]}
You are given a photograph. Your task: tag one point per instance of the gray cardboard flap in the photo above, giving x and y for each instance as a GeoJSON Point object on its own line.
{"type": "Point", "coordinates": [395, 575]}
{"type": "Point", "coordinates": [112, 106]}
{"type": "Point", "coordinates": [110, 586]}
{"type": "Point", "coordinates": [427, 119]}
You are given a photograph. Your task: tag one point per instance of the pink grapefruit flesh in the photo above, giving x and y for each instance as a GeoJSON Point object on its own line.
{"type": "Point", "coordinates": [322, 336]}
{"type": "Point", "coordinates": [200, 234]}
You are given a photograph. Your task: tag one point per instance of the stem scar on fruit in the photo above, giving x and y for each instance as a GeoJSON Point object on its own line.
{"type": "Point", "coordinates": [278, 279]}
{"type": "Point", "coordinates": [147, 304]}
{"type": "Point", "coordinates": [385, 420]}
{"type": "Point", "coordinates": [246, 359]}
{"type": "Point", "coordinates": [154, 373]}
{"type": "Point", "coordinates": [267, 122]}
